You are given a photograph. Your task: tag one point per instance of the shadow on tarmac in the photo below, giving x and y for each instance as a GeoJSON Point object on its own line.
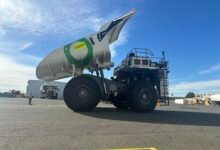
{"type": "Point", "coordinates": [158, 116]}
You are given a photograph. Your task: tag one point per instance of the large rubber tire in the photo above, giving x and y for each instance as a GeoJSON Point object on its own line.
{"type": "Point", "coordinates": [82, 94]}
{"type": "Point", "coordinates": [142, 96]}
{"type": "Point", "coordinates": [120, 104]}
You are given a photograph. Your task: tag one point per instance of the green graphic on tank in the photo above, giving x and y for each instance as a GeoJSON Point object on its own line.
{"type": "Point", "coordinates": [77, 46]}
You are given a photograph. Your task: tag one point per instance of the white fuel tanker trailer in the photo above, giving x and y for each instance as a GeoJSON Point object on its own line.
{"type": "Point", "coordinates": [137, 83]}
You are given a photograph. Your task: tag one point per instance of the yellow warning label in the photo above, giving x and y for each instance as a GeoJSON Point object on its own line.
{"type": "Point", "coordinates": [79, 45]}
{"type": "Point", "coordinates": [147, 148]}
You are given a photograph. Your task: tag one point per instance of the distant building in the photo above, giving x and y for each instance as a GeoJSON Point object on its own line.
{"type": "Point", "coordinates": [34, 86]}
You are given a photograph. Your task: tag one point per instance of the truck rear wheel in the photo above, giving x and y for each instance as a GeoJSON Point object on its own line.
{"type": "Point", "coordinates": [82, 93]}
{"type": "Point", "coordinates": [142, 97]}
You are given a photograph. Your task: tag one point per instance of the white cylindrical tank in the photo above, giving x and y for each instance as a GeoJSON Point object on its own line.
{"type": "Point", "coordinates": [91, 52]}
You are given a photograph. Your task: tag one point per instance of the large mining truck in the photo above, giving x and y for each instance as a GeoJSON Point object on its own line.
{"type": "Point", "coordinates": [137, 83]}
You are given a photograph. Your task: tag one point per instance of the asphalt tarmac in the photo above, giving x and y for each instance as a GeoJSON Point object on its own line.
{"type": "Point", "coordinates": [50, 125]}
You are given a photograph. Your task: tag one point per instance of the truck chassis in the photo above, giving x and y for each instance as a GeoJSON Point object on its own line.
{"type": "Point", "coordinates": [138, 83]}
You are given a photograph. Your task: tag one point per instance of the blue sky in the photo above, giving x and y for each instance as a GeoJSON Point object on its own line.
{"type": "Point", "coordinates": [188, 31]}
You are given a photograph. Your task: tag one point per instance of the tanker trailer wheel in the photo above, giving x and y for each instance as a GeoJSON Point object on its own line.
{"type": "Point", "coordinates": [142, 97]}
{"type": "Point", "coordinates": [82, 93]}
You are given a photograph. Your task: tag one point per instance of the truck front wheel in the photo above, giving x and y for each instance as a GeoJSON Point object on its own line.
{"type": "Point", "coordinates": [142, 97]}
{"type": "Point", "coordinates": [82, 93]}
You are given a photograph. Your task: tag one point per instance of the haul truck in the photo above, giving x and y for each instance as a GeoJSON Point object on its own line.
{"type": "Point", "coordinates": [49, 91]}
{"type": "Point", "coordinates": [137, 82]}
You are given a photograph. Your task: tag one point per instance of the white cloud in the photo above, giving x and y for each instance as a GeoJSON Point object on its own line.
{"type": "Point", "coordinates": [211, 69]}
{"type": "Point", "coordinates": [16, 68]}
{"type": "Point", "coordinates": [198, 86]}
{"type": "Point", "coordinates": [121, 41]}
{"type": "Point", "coordinates": [2, 32]}
{"type": "Point", "coordinates": [14, 75]}
{"type": "Point", "coordinates": [19, 14]}
{"type": "Point", "coordinates": [55, 17]}
{"type": "Point", "coordinates": [25, 46]}
{"type": "Point", "coordinates": [12, 49]}
{"type": "Point", "coordinates": [41, 17]}
{"type": "Point", "coordinates": [38, 18]}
